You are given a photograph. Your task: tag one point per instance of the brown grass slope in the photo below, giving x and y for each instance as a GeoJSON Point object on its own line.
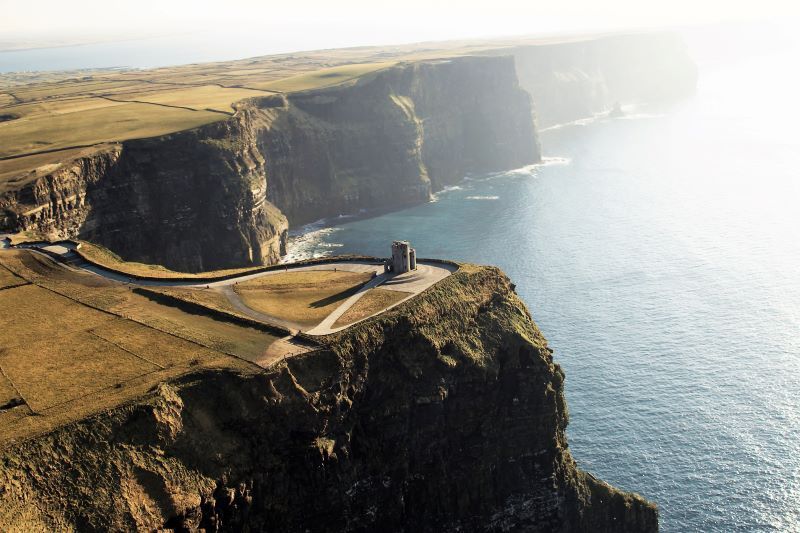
{"type": "Point", "coordinates": [73, 344]}
{"type": "Point", "coordinates": [303, 297]}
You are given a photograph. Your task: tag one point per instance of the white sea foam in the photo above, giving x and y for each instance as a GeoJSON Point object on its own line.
{"type": "Point", "coordinates": [630, 112]}
{"type": "Point", "coordinates": [526, 171]}
{"type": "Point", "coordinates": [483, 197]}
{"type": "Point", "coordinates": [435, 196]}
{"type": "Point", "coordinates": [310, 242]}
{"type": "Point", "coordinates": [640, 116]}
{"type": "Point", "coordinates": [579, 122]}
{"type": "Point", "coordinates": [554, 161]}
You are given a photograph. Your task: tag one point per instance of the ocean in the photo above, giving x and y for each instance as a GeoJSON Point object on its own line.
{"type": "Point", "coordinates": [160, 51]}
{"type": "Point", "coordinates": [660, 255]}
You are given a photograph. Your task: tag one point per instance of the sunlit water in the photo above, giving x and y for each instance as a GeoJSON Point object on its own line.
{"type": "Point", "coordinates": [660, 255]}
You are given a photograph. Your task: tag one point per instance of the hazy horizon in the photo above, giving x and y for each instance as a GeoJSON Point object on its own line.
{"type": "Point", "coordinates": [316, 24]}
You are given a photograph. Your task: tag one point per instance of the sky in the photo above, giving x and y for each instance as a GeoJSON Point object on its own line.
{"type": "Point", "coordinates": [307, 24]}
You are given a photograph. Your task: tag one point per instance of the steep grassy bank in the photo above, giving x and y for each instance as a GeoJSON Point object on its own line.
{"type": "Point", "coordinates": [444, 414]}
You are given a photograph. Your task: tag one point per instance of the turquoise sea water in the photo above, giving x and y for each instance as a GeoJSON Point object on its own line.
{"type": "Point", "coordinates": [660, 255]}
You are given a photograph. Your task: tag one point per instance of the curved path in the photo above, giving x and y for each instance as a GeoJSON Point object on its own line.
{"type": "Point", "coordinates": [412, 282]}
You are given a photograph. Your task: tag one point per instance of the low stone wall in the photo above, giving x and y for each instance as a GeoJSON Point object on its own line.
{"type": "Point", "coordinates": [196, 308]}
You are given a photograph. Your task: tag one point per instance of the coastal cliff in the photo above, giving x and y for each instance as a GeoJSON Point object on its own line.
{"type": "Point", "coordinates": [194, 201]}
{"type": "Point", "coordinates": [393, 138]}
{"type": "Point", "coordinates": [216, 196]}
{"type": "Point", "coordinates": [224, 195]}
{"type": "Point", "coordinates": [571, 81]}
{"type": "Point", "coordinates": [446, 413]}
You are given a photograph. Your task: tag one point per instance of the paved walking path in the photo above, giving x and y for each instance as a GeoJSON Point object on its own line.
{"type": "Point", "coordinates": [412, 282]}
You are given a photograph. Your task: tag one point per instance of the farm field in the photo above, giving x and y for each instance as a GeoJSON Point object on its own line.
{"type": "Point", "coordinates": [14, 173]}
{"type": "Point", "coordinates": [210, 298]}
{"type": "Point", "coordinates": [48, 130]}
{"type": "Point", "coordinates": [98, 345]}
{"type": "Point", "coordinates": [304, 297]}
{"type": "Point", "coordinates": [205, 97]}
{"type": "Point", "coordinates": [7, 279]}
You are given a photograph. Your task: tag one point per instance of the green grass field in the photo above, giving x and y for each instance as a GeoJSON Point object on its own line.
{"type": "Point", "coordinates": [28, 324]}
{"type": "Point", "coordinates": [8, 279]}
{"type": "Point", "coordinates": [8, 394]}
{"type": "Point", "coordinates": [58, 370]}
{"type": "Point", "coordinates": [210, 298]}
{"type": "Point", "coordinates": [204, 97]}
{"type": "Point", "coordinates": [64, 89]}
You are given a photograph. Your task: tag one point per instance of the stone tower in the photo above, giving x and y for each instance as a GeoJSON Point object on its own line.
{"type": "Point", "coordinates": [404, 258]}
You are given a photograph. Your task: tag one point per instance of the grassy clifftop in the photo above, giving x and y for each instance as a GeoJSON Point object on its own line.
{"type": "Point", "coordinates": [445, 413]}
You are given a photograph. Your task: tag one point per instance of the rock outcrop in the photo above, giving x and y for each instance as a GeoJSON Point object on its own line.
{"type": "Point", "coordinates": [444, 414]}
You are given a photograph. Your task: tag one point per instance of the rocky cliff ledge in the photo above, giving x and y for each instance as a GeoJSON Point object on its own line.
{"type": "Point", "coordinates": [445, 414]}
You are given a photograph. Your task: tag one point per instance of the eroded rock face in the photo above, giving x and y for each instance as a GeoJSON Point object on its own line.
{"type": "Point", "coordinates": [445, 414]}
{"type": "Point", "coordinates": [191, 201]}
{"type": "Point", "coordinates": [395, 136]}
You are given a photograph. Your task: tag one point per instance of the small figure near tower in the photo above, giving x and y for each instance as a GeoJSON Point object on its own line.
{"type": "Point", "coordinates": [404, 258]}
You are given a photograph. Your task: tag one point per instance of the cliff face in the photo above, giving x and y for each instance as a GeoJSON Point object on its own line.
{"type": "Point", "coordinates": [445, 414]}
{"type": "Point", "coordinates": [207, 198]}
{"type": "Point", "coordinates": [570, 81]}
{"type": "Point", "coordinates": [219, 196]}
{"type": "Point", "coordinates": [192, 201]}
{"type": "Point", "coordinates": [396, 136]}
